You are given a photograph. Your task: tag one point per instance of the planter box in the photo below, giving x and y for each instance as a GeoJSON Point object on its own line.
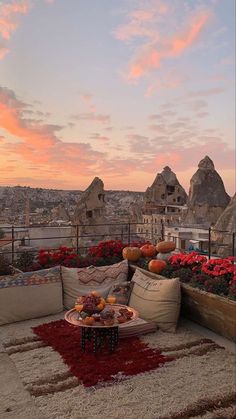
{"type": "Point", "coordinates": [209, 310]}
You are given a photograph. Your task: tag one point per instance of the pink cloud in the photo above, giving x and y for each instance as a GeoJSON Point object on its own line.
{"type": "Point", "coordinates": [168, 81]}
{"type": "Point", "coordinates": [9, 13]}
{"type": "Point", "coordinates": [39, 143]}
{"type": "Point", "coordinates": [136, 26]}
{"type": "Point", "coordinates": [40, 154]}
{"type": "Point", "coordinates": [202, 114]}
{"type": "Point", "coordinates": [99, 137]}
{"type": "Point", "coordinates": [196, 105]}
{"type": "Point", "coordinates": [3, 50]}
{"type": "Point", "coordinates": [142, 23]}
{"type": "Point", "coordinates": [207, 92]}
{"type": "Point", "coordinates": [11, 111]}
{"type": "Point", "coordinates": [151, 56]}
{"type": "Point", "coordinates": [93, 117]}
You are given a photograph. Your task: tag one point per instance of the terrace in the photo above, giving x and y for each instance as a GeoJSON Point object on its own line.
{"type": "Point", "coordinates": [187, 372]}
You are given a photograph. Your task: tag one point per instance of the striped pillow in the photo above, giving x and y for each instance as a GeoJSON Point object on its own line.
{"type": "Point", "coordinates": [81, 281]}
{"type": "Point", "coordinates": [30, 295]}
{"type": "Point", "coordinates": [156, 300]}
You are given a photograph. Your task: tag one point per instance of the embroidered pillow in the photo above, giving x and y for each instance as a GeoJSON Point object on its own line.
{"type": "Point", "coordinates": [81, 281]}
{"type": "Point", "coordinates": [30, 295]}
{"type": "Point", "coordinates": [122, 292]}
{"type": "Point", "coordinates": [156, 299]}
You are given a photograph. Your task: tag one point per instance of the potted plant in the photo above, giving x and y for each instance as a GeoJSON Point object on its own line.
{"type": "Point", "coordinates": [208, 290]}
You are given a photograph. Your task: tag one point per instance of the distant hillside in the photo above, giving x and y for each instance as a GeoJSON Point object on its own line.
{"type": "Point", "coordinates": [118, 202]}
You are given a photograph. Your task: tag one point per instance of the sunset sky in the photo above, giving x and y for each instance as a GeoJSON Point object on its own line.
{"type": "Point", "coordinates": [116, 89]}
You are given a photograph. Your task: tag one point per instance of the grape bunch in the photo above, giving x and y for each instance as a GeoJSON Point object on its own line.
{"type": "Point", "coordinates": [91, 303]}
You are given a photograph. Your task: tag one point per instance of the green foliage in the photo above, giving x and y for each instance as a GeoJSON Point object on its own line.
{"type": "Point", "coordinates": [232, 290]}
{"type": "Point", "coordinates": [198, 281]}
{"type": "Point", "coordinates": [217, 285]}
{"type": "Point", "coordinates": [143, 263]}
{"type": "Point", "coordinates": [25, 261]}
{"type": "Point", "coordinates": [5, 266]}
{"type": "Point", "coordinates": [168, 271]}
{"type": "Point", "coordinates": [184, 274]}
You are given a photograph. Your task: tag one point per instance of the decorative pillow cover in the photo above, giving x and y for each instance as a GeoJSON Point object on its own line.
{"type": "Point", "coordinates": [122, 292]}
{"type": "Point", "coordinates": [156, 299]}
{"type": "Point", "coordinates": [30, 295]}
{"type": "Point", "coordinates": [81, 281]}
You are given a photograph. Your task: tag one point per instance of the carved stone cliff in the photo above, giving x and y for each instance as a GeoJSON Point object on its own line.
{"type": "Point", "coordinates": [224, 229]}
{"type": "Point", "coordinates": [90, 212]}
{"type": "Point", "coordinates": [207, 196]}
{"type": "Point", "coordinates": [166, 189]}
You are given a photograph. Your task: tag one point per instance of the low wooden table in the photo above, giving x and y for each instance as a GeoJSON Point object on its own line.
{"type": "Point", "coordinates": [98, 333]}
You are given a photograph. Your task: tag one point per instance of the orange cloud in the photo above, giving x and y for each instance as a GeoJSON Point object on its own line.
{"type": "Point", "coordinates": [9, 13]}
{"type": "Point", "coordinates": [151, 56]}
{"type": "Point", "coordinates": [39, 157]}
{"type": "Point", "coordinates": [38, 143]}
{"type": "Point", "coordinates": [169, 80]}
{"type": "Point", "coordinates": [11, 119]}
{"type": "Point", "coordinates": [142, 23]}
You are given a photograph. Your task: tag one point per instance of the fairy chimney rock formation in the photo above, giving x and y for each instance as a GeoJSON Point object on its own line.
{"type": "Point", "coordinates": [61, 213]}
{"type": "Point", "coordinates": [91, 206]}
{"type": "Point", "coordinates": [207, 195]}
{"type": "Point", "coordinates": [91, 211]}
{"type": "Point", "coordinates": [224, 229]}
{"type": "Point", "coordinates": [166, 189]}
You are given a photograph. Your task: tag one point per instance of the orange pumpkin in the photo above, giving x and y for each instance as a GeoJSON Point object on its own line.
{"type": "Point", "coordinates": [89, 321]}
{"type": "Point", "coordinates": [95, 294]}
{"type": "Point", "coordinates": [111, 299]}
{"type": "Point", "coordinates": [102, 301]}
{"type": "Point", "coordinates": [100, 307]}
{"type": "Point", "coordinates": [133, 254]}
{"type": "Point", "coordinates": [165, 247]}
{"type": "Point", "coordinates": [156, 266]}
{"type": "Point", "coordinates": [79, 307]}
{"type": "Point", "coordinates": [148, 250]}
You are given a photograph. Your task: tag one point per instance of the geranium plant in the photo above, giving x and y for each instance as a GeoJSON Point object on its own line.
{"type": "Point", "coordinates": [217, 276]}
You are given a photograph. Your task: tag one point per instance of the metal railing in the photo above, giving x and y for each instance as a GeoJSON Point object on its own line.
{"type": "Point", "coordinates": [128, 233]}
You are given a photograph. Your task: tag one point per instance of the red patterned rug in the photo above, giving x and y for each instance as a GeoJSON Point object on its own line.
{"type": "Point", "coordinates": [131, 357]}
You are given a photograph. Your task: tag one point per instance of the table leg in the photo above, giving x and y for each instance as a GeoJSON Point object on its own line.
{"type": "Point", "coordinates": [113, 338]}
{"type": "Point", "coordinates": [95, 340]}
{"type": "Point", "coordinates": [116, 335]}
{"type": "Point", "coordinates": [83, 338]}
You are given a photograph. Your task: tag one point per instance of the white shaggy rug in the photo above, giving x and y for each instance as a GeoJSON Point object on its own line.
{"type": "Point", "coordinates": [199, 383]}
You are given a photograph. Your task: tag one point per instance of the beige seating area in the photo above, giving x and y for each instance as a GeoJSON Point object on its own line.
{"type": "Point", "coordinates": [35, 381]}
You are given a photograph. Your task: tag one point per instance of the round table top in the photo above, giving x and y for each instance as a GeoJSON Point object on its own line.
{"type": "Point", "coordinates": [73, 317]}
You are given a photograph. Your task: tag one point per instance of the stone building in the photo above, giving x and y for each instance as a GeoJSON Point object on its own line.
{"type": "Point", "coordinates": [207, 196]}
{"type": "Point", "coordinates": [223, 230]}
{"type": "Point", "coordinates": [166, 189]}
{"type": "Point", "coordinates": [164, 201]}
{"type": "Point", "coordinates": [188, 238]}
{"type": "Point", "coordinates": [60, 213]}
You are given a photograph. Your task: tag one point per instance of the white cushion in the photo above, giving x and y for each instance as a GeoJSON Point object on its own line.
{"type": "Point", "coordinates": [81, 281]}
{"type": "Point", "coordinates": [30, 295]}
{"type": "Point", "coordinates": [156, 299]}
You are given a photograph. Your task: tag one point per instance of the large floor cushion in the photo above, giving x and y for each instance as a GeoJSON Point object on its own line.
{"type": "Point", "coordinates": [30, 295]}
{"type": "Point", "coordinates": [104, 279]}
{"type": "Point", "coordinates": [156, 299]}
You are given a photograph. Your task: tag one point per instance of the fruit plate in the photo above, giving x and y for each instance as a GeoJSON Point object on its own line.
{"type": "Point", "coordinates": [73, 317]}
